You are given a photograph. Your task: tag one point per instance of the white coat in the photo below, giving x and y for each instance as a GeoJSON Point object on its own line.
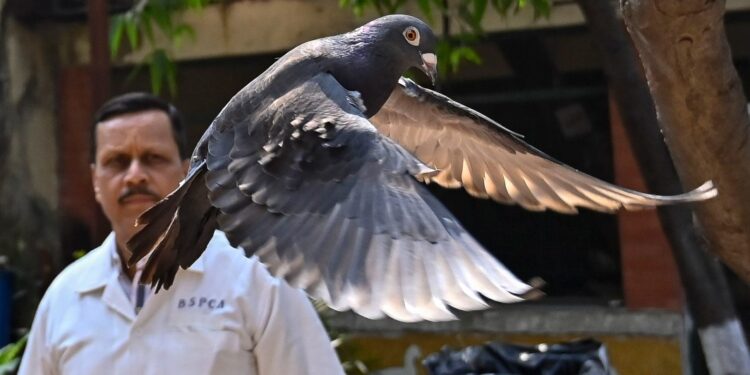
{"type": "Point", "coordinates": [224, 315]}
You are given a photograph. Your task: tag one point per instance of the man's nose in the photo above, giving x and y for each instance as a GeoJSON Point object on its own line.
{"type": "Point", "coordinates": [135, 174]}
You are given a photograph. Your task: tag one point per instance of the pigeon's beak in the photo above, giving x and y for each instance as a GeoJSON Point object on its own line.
{"type": "Point", "coordinates": [429, 66]}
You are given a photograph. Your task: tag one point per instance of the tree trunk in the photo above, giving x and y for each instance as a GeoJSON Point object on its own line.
{"type": "Point", "coordinates": [702, 112]}
{"type": "Point", "coordinates": [706, 290]}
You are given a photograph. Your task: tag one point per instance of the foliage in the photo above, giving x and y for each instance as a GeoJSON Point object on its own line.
{"type": "Point", "coordinates": [455, 46]}
{"type": "Point", "coordinates": [137, 26]}
{"type": "Point", "coordinates": [10, 356]}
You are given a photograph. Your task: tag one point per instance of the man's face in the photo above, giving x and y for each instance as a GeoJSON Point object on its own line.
{"type": "Point", "coordinates": [137, 163]}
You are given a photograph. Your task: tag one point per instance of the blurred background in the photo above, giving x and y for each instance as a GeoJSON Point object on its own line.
{"type": "Point", "coordinates": [536, 67]}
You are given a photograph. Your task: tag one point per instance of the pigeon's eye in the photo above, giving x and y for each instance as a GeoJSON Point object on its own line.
{"type": "Point", "coordinates": [411, 34]}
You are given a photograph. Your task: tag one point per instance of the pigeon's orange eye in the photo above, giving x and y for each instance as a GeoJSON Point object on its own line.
{"type": "Point", "coordinates": [411, 34]}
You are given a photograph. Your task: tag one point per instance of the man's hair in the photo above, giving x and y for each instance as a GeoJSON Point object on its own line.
{"type": "Point", "coordinates": [137, 102]}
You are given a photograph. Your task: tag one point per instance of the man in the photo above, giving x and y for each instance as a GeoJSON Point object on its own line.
{"type": "Point", "coordinates": [224, 315]}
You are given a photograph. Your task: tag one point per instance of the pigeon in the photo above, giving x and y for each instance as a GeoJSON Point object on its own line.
{"type": "Point", "coordinates": [318, 167]}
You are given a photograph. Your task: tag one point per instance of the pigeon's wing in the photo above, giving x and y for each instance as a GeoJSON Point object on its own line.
{"type": "Point", "coordinates": [309, 186]}
{"type": "Point", "coordinates": [474, 152]}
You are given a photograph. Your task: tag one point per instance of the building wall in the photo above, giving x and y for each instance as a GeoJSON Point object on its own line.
{"type": "Point", "coordinates": [31, 109]}
{"type": "Point", "coordinates": [644, 342]}
{"type": "Point", "coordinates": [28, 161]}
{"type": "Point", "coordinates": [244, 28]}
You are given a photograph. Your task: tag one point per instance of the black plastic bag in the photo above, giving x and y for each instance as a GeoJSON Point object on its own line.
{"type": "Point", "coordinates": [583, 357]}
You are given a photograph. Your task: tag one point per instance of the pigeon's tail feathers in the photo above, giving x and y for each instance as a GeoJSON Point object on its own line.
{"type": "Point", "coordinates": [154, 223]}
{"type": "Point", "coordinates": [175, 231]}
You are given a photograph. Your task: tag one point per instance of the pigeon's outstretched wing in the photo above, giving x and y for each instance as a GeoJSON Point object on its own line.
{"type": "Point", "coordinates": [308, 185]}
{"type": "Point", "coordinates": [472, 151]}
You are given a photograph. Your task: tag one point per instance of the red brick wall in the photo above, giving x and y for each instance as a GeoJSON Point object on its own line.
{"type": "Point", "coordinates": [650, 278]}
{"type": "Point", "coordinates": [81, 222]}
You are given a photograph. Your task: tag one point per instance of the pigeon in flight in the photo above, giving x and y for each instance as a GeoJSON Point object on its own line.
{"type": "Point", "coordinates": [316, 167]}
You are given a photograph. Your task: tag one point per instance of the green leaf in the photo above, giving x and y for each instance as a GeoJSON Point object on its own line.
{"type": "Point", "coordinates": [182, 31]}
{"type": "Point", "coordinates": [162, 69]}
{"type": "Point", "coordinates": [148, 30]}
{"type": "Point", "coordinates": [502, 6]}
{"type": "Point", "coordinates": [358, 6]}
{"type": "Point", "coordinates": [542, 8]}
{"type": "Point", "coordinates": [157, 70]}
{"type": "Point", "coordinates": [171, 76]}
{"type": "Point", "coordinates": [134, 72]}
{"type": "Point", "coordinates": [477, 14]}
{"type": "Point", "coordinates": [451, 55]}
{"type": "Point", "coordinates": [469, 54]}
{"type": "Point", "coordinates": [426, 9]}
{"type": "Point", "coordinates": [162, 17]}
{"type": "Point", "coordinates": [479, 8]}
{"type": "Point", "coordinates": [441, 4]}
{"type": "Point", "coordinates": [397, 5]}
{"type": "Point", "coordinates": [519, 5]}
{"type": "Point", "coordinates": [196, 4]}
{"type": "Point", "coordinates": [11, 353]}
{"type": "Point", "coordinates": [378, 4]}
{"type": "Point", "coordinates": [466, 14]}
{"type": "Point", "coordinates": [443, 51]}
{"type": "Point", "coordinates": [9, 367]}
{"type": "Point", "coordinates": [115, 34]}
{"type": "Point", "coordinates": [131, 28]}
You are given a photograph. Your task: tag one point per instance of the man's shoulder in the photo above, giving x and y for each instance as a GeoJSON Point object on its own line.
{"type": "Point", "coordinates": [94, 257]}
{"type": "Point", "coordinates": [222, 260]}
{"type": "Point", "coordinates": [220, 252]}
{"type": "Point", "coordinates": [75, 275]}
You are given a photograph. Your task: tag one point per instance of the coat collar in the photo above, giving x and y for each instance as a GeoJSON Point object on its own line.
{"type": "Point", "coordinates": [104, 263]}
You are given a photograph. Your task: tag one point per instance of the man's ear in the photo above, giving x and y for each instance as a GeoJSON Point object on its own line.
{"type": "Point", "coordinates": [92, 167]}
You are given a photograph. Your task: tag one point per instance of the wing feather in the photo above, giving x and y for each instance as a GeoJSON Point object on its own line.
{"type": "Point", "coordinates": [334, 207]}
{"type": "Point", "coordinates": [490, 161]}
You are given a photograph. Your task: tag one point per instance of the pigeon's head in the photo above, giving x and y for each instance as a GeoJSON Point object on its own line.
{"type": "Point", "coordinates": [410, 42]}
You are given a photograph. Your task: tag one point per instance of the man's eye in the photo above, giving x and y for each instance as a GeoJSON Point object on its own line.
{"type": "Point", "coordinates": [153, 158]}
{"type": "Point", "coordinates": [118, 162]}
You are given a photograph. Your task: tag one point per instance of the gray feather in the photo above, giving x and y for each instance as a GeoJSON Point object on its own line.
{"type": "Point", "coordinates": [315, 168]}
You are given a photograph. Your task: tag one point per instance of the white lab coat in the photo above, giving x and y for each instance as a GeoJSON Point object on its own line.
{"type": "Point", "coordinates": [223, 315]}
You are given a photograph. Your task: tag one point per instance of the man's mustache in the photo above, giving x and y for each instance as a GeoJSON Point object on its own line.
{"type": "Point", "coordinates": [137, 190]}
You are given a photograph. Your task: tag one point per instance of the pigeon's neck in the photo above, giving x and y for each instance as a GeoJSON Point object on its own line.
{"type": "Point", "coordinates": [373, 73]}
{"type": "Point", "coordinates": [377, 91]}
